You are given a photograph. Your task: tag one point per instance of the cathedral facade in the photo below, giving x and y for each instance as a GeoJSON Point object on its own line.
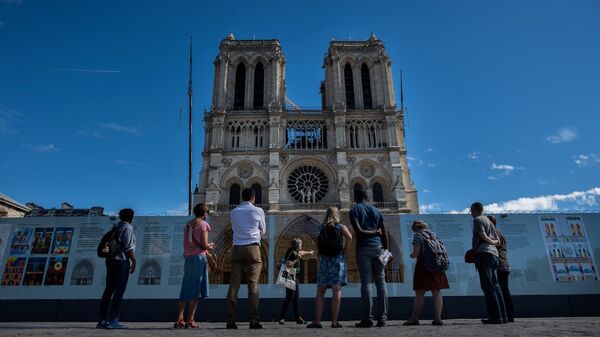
{"type": "Point", "coordinates": [297, 159]}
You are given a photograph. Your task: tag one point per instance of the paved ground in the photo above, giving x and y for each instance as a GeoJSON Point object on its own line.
{"type": "Point", "coordinates": [550, 327]}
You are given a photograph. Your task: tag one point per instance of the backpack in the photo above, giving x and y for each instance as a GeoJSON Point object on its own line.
{"type": "Point", "coordinates": [330, 241]}
{"type": "Point", "coordinates": [109, 245]}
{"type": "Point", "coordinates": [434, 253]}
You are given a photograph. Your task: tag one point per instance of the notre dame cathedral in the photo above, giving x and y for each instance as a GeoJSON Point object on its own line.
{"type": "Point", "coordinates": [298, 159]}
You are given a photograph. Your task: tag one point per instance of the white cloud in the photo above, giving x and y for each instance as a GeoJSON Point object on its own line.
{"type": "Point", "coordinates": [43, 148]}
{"type": "Point", "coordinates": [121, 128]}
{"type": "Point", "coordinates": [563, 135]}
{"type": "Point", "coordinates": [181, 209]}
{"type": "Point", "coordinates": [417, 161]}
{"type": "Point", "coordinates": [429, 149]}
{"type": "Point", "coordinates": [493, 178]}
{"type": "Point", "coordinates": [426, 191]}
{"type": "Point", "coordinates": [8, 119]}
{"type": "Point", "coordinates": [473, 155]}
{"type": "Point", "coordinates": [577, 200]}
{"type": "Point", "coordinates": [86, 133]}
{"type": "Point", "coordinates": [502, 167]}
{"type": "Point", "coordinates": [430, 208]}
{"type": "Point", "coordinates": [129, 163]}
{"type": "Point", "coordinates": [591, 159]}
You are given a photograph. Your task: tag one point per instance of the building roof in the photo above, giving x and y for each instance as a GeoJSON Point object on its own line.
{"type": "Point", "coordinates": [5, 199]}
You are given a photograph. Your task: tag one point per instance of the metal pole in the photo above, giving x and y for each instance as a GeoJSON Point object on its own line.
{"type": "Point", "coordinates": [190, 135]}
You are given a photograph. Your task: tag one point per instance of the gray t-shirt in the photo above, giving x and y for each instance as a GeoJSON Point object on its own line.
{"type": "Point", "coordinates": [127, 238]}
{"type": "Point", "coordinates": [483, 224]}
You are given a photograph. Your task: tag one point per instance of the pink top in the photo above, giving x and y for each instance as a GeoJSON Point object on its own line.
{"type": "Point", "coordinates": [191, 243]}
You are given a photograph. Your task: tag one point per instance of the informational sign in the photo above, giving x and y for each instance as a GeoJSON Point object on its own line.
{"type": "Point", "coordinates": [55, 257]}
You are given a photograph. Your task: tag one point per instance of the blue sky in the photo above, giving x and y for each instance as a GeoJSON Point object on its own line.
{"type": "Point", "coordinates": [503, 97]}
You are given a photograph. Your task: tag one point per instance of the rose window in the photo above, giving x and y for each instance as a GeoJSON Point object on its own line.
{"type": "Point", "coordinates": [308, 184]}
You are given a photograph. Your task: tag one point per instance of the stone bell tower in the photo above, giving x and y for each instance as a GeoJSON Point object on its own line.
{"type": "Point", "coordinates": [299, 159]}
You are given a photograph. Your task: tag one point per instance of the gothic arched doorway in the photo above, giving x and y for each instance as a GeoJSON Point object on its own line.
{"type": "Point", "coordinates": [305, 228]}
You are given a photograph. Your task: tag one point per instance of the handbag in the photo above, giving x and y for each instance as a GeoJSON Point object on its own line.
{"type": "Point", "coordinates": [212, 262]}
{"type": "Point", "coordinates": [470, 256]}
{"type": "Point", "coordinates": [286, 277]}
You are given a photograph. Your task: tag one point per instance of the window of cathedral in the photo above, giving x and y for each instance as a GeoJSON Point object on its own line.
{"type": "Point", "coordinates": [349, 85]}
{"type": "Point", "coordinates": [308, 184]}
{"type": "Point", "coordinates": [366, 86]}
{"type": "Point", "coordinates": [357, 187]}
{"type": "Point", "coordinates": [240, 87]}
{"type": "Point", "coordinates": [306, 135]}
{"type": "Point", "coordinates": [257, 193]}
{"type": "Point", "coordinates": [259, 86]}
{"type": "Point", "coordinates": [246, 134]}
{"type": "Point", "coordinates": [366, 134]}
{"type": "Point", "coordinates": [377, 192]}
{"type": "Point", "coordinates": [234, 194]}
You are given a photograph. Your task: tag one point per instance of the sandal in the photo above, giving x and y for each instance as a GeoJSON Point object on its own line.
{"type": "Point", "coordinates": [336, 325]}
{"type": "Point", "coordinates": [437, 323]}
{"type": "Point", "coordinates": [315, 326]}
{"type": "Point", "coordinates": [191, 324]}
{"type": "Point", "coordinates": [179, 325]}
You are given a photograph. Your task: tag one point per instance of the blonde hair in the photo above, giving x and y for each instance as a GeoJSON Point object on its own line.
{"type": "Point", "coordinates": [419, 225]}
{"type": "Point", "coordinates": [332, 217]}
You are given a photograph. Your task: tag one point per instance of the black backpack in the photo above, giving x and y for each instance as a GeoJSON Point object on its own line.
{"type": "Point", "coordinates": [330, 241]}
{"type": "Point", "coordinates": [109, 245]}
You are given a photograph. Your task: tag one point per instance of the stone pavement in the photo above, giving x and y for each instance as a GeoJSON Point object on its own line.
{"type": "Point", "coordinates": [548, 327]}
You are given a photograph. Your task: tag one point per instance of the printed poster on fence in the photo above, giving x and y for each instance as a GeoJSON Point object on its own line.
{"type": "Point", "coordinates": [568, 248]}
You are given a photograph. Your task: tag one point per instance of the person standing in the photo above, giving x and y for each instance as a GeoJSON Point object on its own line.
{"type": "Point", "coordinates": [367, 223]}
{"type": "Point", "coordinates": [503, 271]}
{"type": "Point", "coordinates": [334, 239]}
{"type": "Point", "coordinates": [118, 269]}
{"type": "Point", "coordinates": [486, 261]}
{"type": "Point", "coordinates": [292, 258]}
{"type": "Point", "coordinates": [248, 226]}
{"type": "Point", "coordinates": [195, 270]}
{"type": "Point", "coordinates": [425, 280]}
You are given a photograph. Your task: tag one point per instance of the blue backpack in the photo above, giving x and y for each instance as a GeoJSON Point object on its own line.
{"type": "Point", "coordinates": [434, 253]}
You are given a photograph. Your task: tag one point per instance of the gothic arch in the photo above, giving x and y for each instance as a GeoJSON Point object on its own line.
{"type": "Point", "coordinates": [83, 273]}
{"type": "Point", "coordinates": [150, 273]}
{"type": "Point", "coordinates": [360, 181]}
{"type": "Point", "coordinates": [367, 88]}
{"type": "Point", "coordinates": [231, 173]}
{"type": "Point", "coordinates": [380, 172]}
{"type": "Point", "coordinates": [350, 93]}
{"type": "Point", "coordinates": [223, 248]}
{"type": "Point", "coordinates": [254, 60]}
{"type": "Point", "coordinates": [307, 229]}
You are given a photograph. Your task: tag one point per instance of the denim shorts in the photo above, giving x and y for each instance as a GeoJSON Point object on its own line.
{"type": "Point", "coordinates": [195, 278]}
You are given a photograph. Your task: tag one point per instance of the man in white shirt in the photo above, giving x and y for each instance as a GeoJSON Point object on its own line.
{"type": "Point", "coordinates": [248, 225]}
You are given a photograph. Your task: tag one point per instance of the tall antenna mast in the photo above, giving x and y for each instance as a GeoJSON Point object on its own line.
{"type": "Point", "coordinates": [190, 135]}
{"type": "Point", "coordinates": [401, 92]}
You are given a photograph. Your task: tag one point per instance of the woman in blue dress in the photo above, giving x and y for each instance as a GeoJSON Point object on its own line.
{"type": "Point", "coordinates": [334, 239]}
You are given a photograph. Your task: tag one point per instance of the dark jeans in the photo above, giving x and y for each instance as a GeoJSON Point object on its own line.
{"type": "Point", "coordinates": [371, 269]}
{"type": "Point", "coordinates": [503, 281]}
{"type": "Point", "coordinates": [291, 296]}
{"type": "Point", "coordinates": [117, 274]}
{"type": "Point", "coordinates": [487, 264]}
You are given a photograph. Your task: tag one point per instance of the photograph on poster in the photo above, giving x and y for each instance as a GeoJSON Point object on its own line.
{"type": "Point", "coordinates": [150, 273]}
{"type": "Point", "coordinates": [63, 237]}
{"type": "Point", "coordinates": [20, 241]}
{"type": "Point", "coordinates": [34, 273]}
{"type": "Point", "coordinates": [55, 275]}
{"type": "Point", "coordinates": [83, 273]}
{"type": "Point", "coordinates": [13, 271]}
{"type": "Point", "coordinates": [568, 248]}
{"type": "Point", "coordinates": [42, 240]}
